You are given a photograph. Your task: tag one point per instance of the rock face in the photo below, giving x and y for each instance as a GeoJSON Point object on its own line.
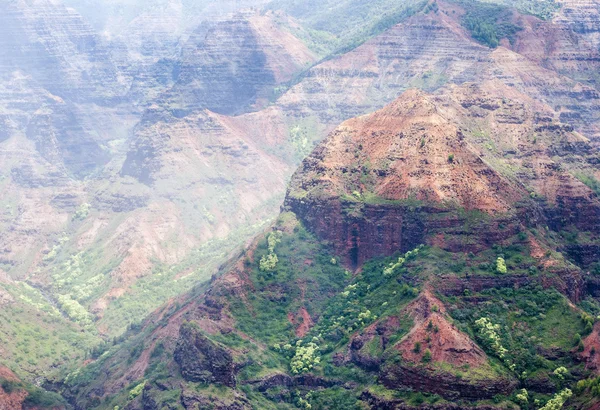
{"type": "Point", "coordinates": [581, 17]}
{"type": "Point", "coordinates": [60, 138]}
{"type": "Point", "coordinates": [68, 115]}
{"type": "Point", "coordinates": [551, 61]}
{"type": "Point", "coordinates": [138, 125]}
{"type": "Point", "coordinates": [389, 179]}
{"type": "Point", "coordinates": [201, 360]}
{"type": "Point", "coordinates": [58, 48]}
{"type": "Point", "coordinates": [447, 345]}
{"type": "Point", "coordinates": [424, 51]}
{"type": "Point", "coordinates": [192, 401]}
{"type": "Point", "coordinates": [446, 385]}
{"type": "Point", "coordinates": [444, 343]}
{"type": "Point", "coordinates": [58, 129]}
{"type": "Point", "coordinates": [12, 399]}
{"type": "Point", "coordinates": [380, 403]}
{"type": "Point", "coordinates": [462, 169]}
{"type": "Point", "coordinates": [229, 66]}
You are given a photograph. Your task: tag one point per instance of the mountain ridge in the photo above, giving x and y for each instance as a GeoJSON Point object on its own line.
{"type": "Point", "coordinates": [109, 230]}
{"type": "Point", "coordinates": [221, 317]}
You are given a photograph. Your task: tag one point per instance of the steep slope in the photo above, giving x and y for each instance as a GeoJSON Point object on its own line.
{"type": "Point", "coordinates": [426, 50]}
{"type": "Point", "coordinates": [557, 45]}
{"type": "Point", "coordinates": [153, 210]}
{"type": "Point", "coordinates": [51, 123]}
{"type": "Point", "coordinates": [581, 17]}
{"type": "Point", "coordinates": [83, 247]}
{"type": "Point", "coordinates": [58, 48]}
{"type": "Point", "coordinates": [57, 80]}
{"type": "Point", "coordinates": [490, 164]}
{"type": "Point", "coordinates": [148, 41]}
{"type": "Point", "coordinates": [237, 63]}
{"type": "Point", "coordinates": [114, 18]}
{"type": "Point", "coordinates": [73, 227]}
{"type": "Point", "coordinates": [422, 257]}
{"type": "Point", "coordinates": [217, 155]}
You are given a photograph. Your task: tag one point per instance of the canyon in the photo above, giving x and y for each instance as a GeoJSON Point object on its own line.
{"type": "Point", "coordinates": [143, 148]}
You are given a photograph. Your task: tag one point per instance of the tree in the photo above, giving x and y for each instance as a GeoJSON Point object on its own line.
{"type": "Point", "coordinates": [522, 397]}
{"type": "Point", "coordinates": [268, 263]}
{"type": "Point", "coordinates": [557, 402]}
{"type": "Point", "coordinates": [501, 265]}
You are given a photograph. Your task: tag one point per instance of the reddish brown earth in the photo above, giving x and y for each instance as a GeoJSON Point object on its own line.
{"type": "Point", "coordinates": [302, 321]}
{"type": "Point", "coordinates": [591, 352]}
{"type": "Point", "coordinates": [133, 223]}
{"type": "Point", "coordinates": [15, 399]}
{"type": "Point", "coordinates": [464, 168]}
{"type": "Point", "coordinates": [446, 343]}
{"type": "Point", "coordinates": [486, 148]}
{"type": "Point", "coordinates": [515, 139]}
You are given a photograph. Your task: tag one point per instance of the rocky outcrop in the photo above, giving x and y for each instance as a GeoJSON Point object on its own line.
{"type": "Point", "coordinates": [570, 281]}
{"type": "Point", "coordinates": [379, 403]}
{"type": "Point", "coordinates": [201, 360]}
{"type": "Point", "coordinates": [432, 331]}
{"type": "Point", "coordinates": [283, 380]}
{"type": "Point", "coordinates": [424, 50]}
{"type": "Point", "coordinates": [195, 401]}
{"type": "Point", "coordinates": [584, 255]}
{"type": "Point", "coordinates": [60, 138]}
{"type": "Point", "coordinates": [388, 229]}
{"type": "Point", "coordinates": [58, 48]}
{"type": "Point", "coordinates": [235, 63]}
{"type": "Point", "coordinates": [396, 178]}
{"type": "Point", "coordinates": [447, 385]}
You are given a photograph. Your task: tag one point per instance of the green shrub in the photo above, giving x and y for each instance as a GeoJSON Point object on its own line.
{"type": "Point", "coordinates": [306, 358]}
{"type": "Point", "coordinates": [522, 397]}
{"type": "Point", "coordinates": [41, 398]}
{"type": "Point", "coordinates": [489, 334]}
{"type": "Point", "coordinates": [561, 373]}
{"type": "Point", "coordinates": [82, 212]}
{"type": "Point", "coordinates": [10, 386]}
{"type": "Point", "coordinates": [489, 23]}
{"type": "Point", "coordinates": [137, 390]}
{"type": "Point", "coordinates": [557, 402]}
{"type": "Point", "coordinates": [268, 263]}
{"type": "Point", "coordinates": [501, 265]}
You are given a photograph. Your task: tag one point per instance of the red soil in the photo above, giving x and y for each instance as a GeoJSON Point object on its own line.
{"type": "Point", "coordinates": [447, 344]}
{"type": "Point", "coordinates": [304, 324]}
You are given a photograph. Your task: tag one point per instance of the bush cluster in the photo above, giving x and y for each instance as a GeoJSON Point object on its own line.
{"type": "Point", "coordinates": [306, 357]}
{"type": "Point", "coordinates": [391, 268]}
{"type": "Point", "coordinates": [268, 262]}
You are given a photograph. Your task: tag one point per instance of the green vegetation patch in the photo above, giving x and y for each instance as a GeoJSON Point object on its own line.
{"type": "Point", "coordinates": [302, 276]}
{"type": "Point", "coordinates": [39, 342]}
{"type": "Point", "coordinates": [591, 182]}
{"type": "Point", "coordinates": [36, 397]}
{"type": "Point", "coordinates": [489, 23]}
{"type": "Point", "coordinates": [543, 9]}
{"type": "Point", "coordinates": [343, 25]}
{"type": "Point", "coordinates": [531, 329]}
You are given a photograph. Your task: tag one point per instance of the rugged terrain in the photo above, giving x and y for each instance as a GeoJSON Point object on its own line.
{"type": "Point", "coordinates": [139, 152]}
{"type": "Point", "coordinates": [430, 252]}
